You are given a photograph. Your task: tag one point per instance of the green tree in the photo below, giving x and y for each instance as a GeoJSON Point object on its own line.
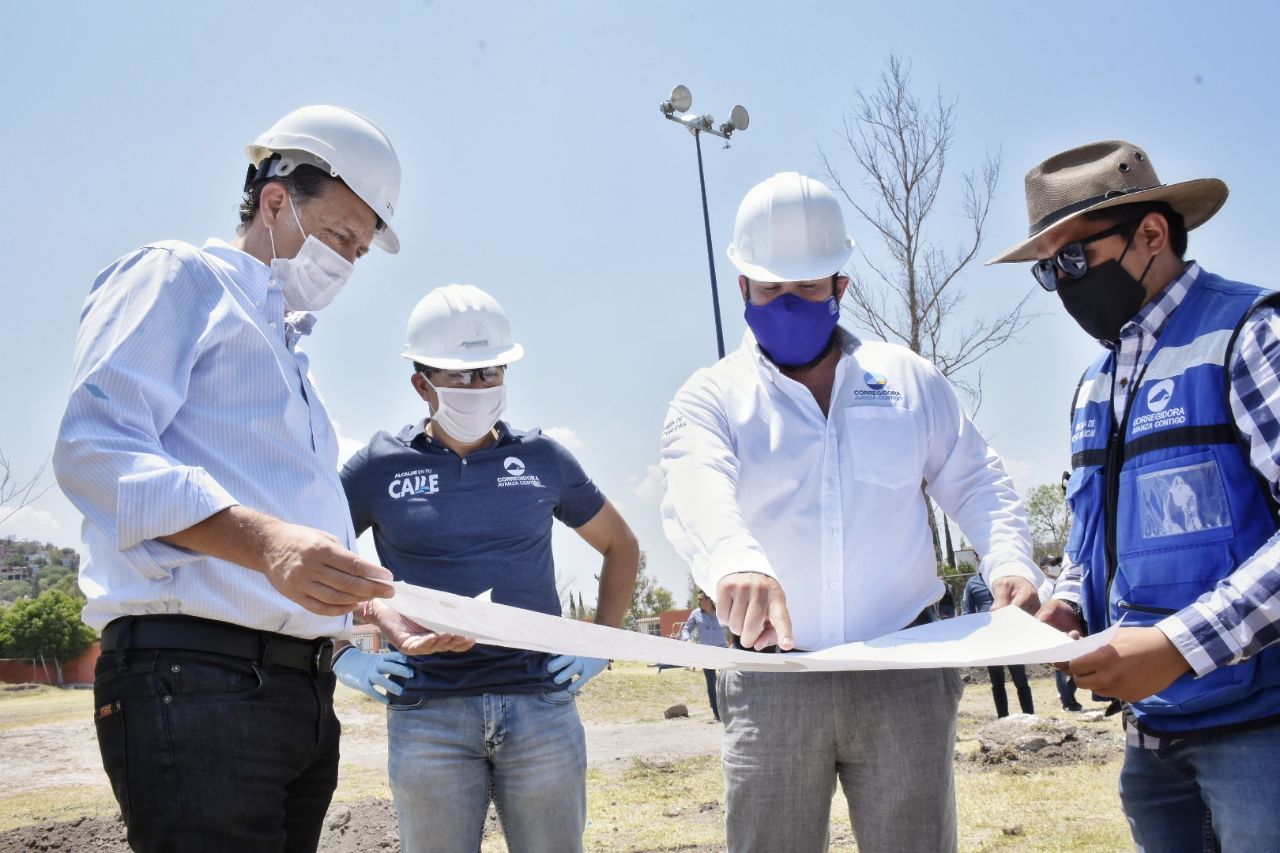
{"type": "Point", "coordinates": [648, 599]}
{"type": "Point", "coordinates": [1050, 519]}
{"type": "Point", "coordinates": [47, 627]}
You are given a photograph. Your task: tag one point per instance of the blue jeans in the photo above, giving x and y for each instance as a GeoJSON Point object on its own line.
{"type": "Point", "coordinates": [1203, 794]}
{"type": "Point", "coordinates": [208, 752]}
{"type": "Point", "coordinates": [447, 757]}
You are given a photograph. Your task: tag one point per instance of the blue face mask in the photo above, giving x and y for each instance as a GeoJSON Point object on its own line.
{"type": "Point", "coordinates": [791, 330]}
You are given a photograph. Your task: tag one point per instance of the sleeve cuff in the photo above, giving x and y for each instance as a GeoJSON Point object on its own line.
{"type": "Point", "coordinates": [157, 503]}
{"type": "Point", "coordinates": [1198, 635]}
{"type": "Point", "coordinates": [1014, 569]}
{"type": "Point", "coordinates": [722, 565]}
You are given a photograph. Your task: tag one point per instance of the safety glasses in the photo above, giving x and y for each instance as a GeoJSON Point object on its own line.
{"type": "Point", "coordinates": [1071, 259]}
{"type": "Point", "coordinates": [462, 378]}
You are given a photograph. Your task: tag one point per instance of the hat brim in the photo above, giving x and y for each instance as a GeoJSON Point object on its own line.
{"type": "Point", "coordinates": [475, 360]}
{"type": "Point", "coordinates": [1196, 200]}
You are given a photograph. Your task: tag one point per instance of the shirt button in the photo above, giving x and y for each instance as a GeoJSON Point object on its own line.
{"type": "Point", "coordinates": [834, 585]}
{"type": "Point", "coordinates": [273, 325]}
{"type": "Point", "coordinates": [835, 531]}
{"type": "Point", "coordinates": [1124, 382]}
{"type": "Point", "coordinates": [464, 462]}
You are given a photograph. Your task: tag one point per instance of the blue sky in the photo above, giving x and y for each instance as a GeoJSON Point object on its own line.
{"type": "Point", "coordinates": [536, 166]}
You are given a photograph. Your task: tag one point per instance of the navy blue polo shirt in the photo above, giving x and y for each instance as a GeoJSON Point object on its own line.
{"type": "Point", "coordinates": [469, 525]}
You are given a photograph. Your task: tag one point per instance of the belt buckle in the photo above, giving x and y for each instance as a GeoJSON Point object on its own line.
{"type": "Point", "coordinates": [322, 662]}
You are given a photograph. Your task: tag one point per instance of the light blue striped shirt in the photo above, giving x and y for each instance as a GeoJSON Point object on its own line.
{"type": "Point", "coordinates": [189, 397]}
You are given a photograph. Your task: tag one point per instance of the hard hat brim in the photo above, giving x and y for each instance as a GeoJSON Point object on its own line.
{"type": "Point", "coordinates": [479, 358]}
{"type": "Point", "coordinates": [806, 269]}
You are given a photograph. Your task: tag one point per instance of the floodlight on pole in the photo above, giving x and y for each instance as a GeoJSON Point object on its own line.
{"type": "Point", "coordinates": [676, 108]}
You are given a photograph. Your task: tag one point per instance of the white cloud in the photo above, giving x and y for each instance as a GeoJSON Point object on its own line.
{"type": "Point", "coordinates": [30, 523]}
{"type": "Point", "coordinates": [648, 487]}
{"type": "Point", "coordinates": [565, 436]}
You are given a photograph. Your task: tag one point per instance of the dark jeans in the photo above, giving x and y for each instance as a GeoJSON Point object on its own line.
{"type": "Point", "coordinates": [1066, 689]}
{"type": "Point", "coordinates": [208, 752]}
{"type": "Point", "coordinates": [710, 676]}
{"type": "Point", "coordinates": [1019, 675]}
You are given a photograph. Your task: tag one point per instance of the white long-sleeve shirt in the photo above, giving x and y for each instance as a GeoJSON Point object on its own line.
{"type": "Point", "coordinates": [188, 397]}
{"type": "Point", "coordinates": [759, 480]}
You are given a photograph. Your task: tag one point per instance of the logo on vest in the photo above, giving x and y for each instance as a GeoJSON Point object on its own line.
{"type": "Point", "coordinates": [876, 383]}
{"type": "Point", "coordinates": [1160, 395]}
{"type": "Point", "coordinates": [516, 475]}
{"type": "Point", "coordinates": [1161, 416]}
{"type": "Point", "coordinates": [412, 483]}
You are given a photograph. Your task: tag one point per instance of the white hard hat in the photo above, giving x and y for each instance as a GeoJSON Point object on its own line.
{"type": "Point", "coordinates": [343, 143]}
{"type": "Point", "coordinates": [459, 327]}
{"type": "Point", "coordinates": [789, 228]}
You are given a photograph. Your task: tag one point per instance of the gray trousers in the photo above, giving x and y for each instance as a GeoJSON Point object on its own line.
{"type": "Point", "coordinates": [888, 736]}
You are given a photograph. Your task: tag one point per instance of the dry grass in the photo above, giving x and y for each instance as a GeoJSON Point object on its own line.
{"type": "Point", "coordinates": [669, 806]}
{"type": "Point", "coordinates": [43, 704]}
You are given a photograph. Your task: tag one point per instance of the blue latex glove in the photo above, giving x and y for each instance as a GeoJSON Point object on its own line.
{"type": "Point", "coordinates": [367, 671]}
{"type": "Point", "coordinates": [573, 672]}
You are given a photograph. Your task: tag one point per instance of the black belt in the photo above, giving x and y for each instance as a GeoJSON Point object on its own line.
{"type": "Point", "coordinates": [192, 634]}
{"type": "Point", "coordinates": [929, 614]}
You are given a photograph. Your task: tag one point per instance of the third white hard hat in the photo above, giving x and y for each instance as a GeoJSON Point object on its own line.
{"type": "Point", "coordinates": [346, 145]}
{"type": "Point", "coordinates": [459, 327]}
{"type": "Point", "coordinates": [789, 228]}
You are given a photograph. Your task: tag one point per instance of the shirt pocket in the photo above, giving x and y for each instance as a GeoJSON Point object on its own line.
{"type": "Point", "coordinates": [883, 446]}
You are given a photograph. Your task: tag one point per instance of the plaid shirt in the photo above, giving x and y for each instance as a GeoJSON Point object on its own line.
{"type": "Point", "coordinates": [1240, 616]}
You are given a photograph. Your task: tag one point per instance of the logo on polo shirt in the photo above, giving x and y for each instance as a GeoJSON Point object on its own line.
{"type": "Point", "coordinates": [516, 475]}
{"type": "Point", "coordinates": [876, 389]}
{"type": "Point", "coordinates": [411, 483]}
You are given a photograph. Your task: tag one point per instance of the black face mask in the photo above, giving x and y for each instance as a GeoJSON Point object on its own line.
{"type": "Point", "coordinates": [1104, 298]}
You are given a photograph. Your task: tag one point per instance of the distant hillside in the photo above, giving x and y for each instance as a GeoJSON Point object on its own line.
{"type": "Point", "coordinates": [28, 568]}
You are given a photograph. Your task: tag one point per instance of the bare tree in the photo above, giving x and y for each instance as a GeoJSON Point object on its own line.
{"type": "Point", "coordinates": [15, 493]}
{"type": "Point", "coordinates": [900, 145]}
{"type": "Point", "coordinates": [913, 296]}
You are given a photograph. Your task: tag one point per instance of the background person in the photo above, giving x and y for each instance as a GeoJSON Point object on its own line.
{"type": "Point", "coordinates": [220, 561]}
{"type": "Point", "coordinates": [977, 598]}
{"type": "Point", "coordinates": [461, 502]}
{"type": "Point", "coordinates": [1179, 410]}
{"type": "Point", "coordinates": [703, 627]}
{"type": "Point", "coordinates": [794, 470]}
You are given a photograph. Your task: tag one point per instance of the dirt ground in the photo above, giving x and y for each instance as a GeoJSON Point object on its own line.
{"type": "Point", "coordinates": [61, 753]}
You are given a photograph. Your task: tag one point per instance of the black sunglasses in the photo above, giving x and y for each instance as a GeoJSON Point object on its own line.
{"type": "Point", "coordinates": [1071, 259]}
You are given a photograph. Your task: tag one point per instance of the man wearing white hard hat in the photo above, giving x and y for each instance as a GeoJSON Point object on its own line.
{"type": "Point", "coordinates": [221, 562]}
{"type": "Point", "coordinates": [796, 470]}
{"type": "Point", "coordinates": [462, 502]}
{"type": "Point", "coordinates": [1174, 490]}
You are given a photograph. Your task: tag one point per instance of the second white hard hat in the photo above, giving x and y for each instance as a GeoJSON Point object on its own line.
{"type": "Point", "coordinates": [346, 145]}
{"type": "Point", "coordinates": [789, 228]}
{"type": "Point", "coordinates": [459, 327]}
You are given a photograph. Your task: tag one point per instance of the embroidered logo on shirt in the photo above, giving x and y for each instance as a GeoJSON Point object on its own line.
{"type": "Point", "coordinates": [876, 382]}
{"type": "Point", "coordinates": [517, 476]}
{"type": "Point", "coordinates": [411, 483]}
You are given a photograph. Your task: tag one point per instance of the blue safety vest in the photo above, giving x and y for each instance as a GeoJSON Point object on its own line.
{"type": "Point", "coordinates": [1165, 505]}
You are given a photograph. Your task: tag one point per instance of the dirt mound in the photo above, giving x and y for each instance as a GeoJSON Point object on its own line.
{"type": "Point", "coordinates": [1026, 741]}
{"type": "Point", "coordinates": [366, 826]}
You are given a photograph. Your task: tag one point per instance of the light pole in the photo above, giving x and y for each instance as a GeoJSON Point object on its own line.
{"type": "Point", "coordinates": [675, 109]}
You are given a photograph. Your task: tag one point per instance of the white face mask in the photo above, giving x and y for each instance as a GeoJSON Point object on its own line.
{"type": "Point", "coordinates": [468, 414]}
{"type": "Point", "coordinates": [312, 278]}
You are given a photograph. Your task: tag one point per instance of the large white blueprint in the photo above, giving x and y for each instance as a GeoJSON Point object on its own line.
{"type": "Point", "coordinates": [981, 639]}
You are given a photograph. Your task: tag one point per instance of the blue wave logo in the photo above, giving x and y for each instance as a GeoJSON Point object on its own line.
{"type": "Point", "coordinates": [875, 381]}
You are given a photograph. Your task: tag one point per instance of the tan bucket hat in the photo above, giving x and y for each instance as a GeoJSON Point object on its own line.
{"type": "Point", "coordinates": [1100, 175]}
